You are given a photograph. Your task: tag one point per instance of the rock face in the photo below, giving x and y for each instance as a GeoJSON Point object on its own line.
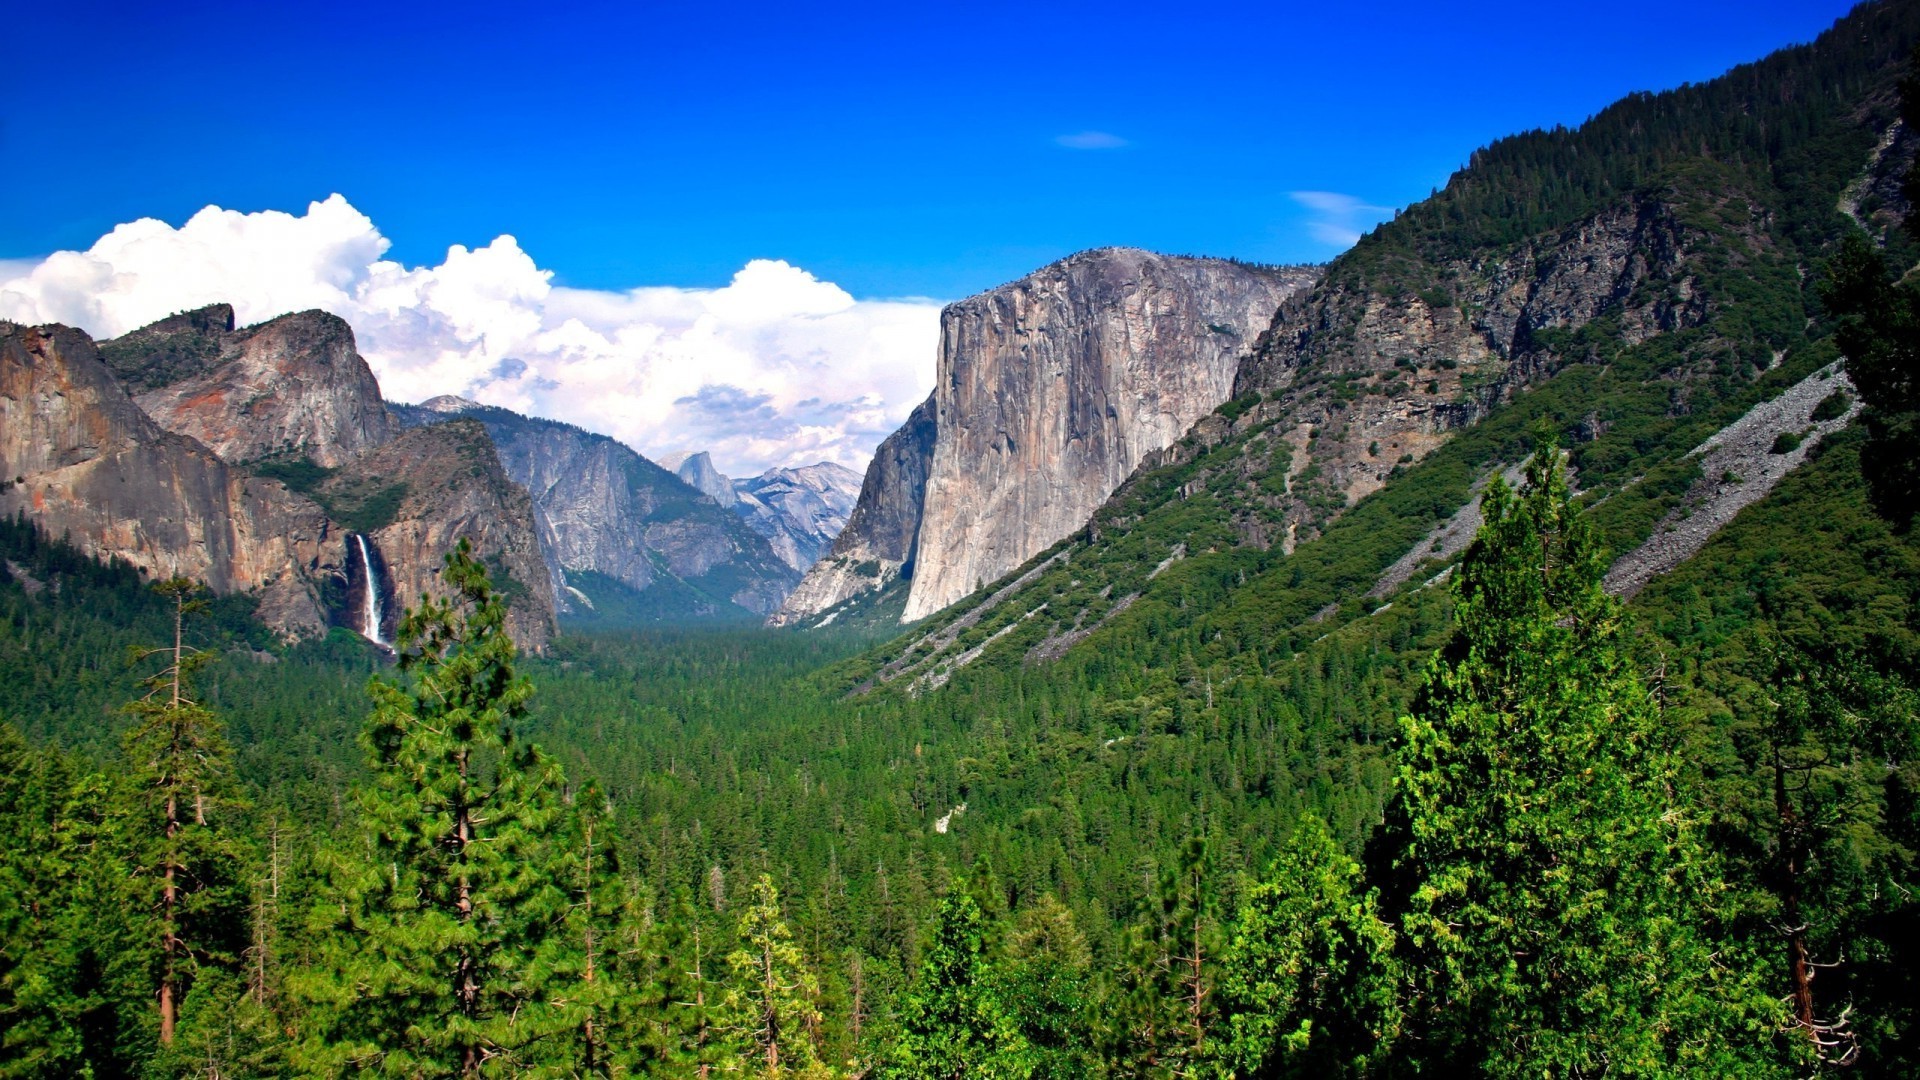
{"type": "Point", "coordinates": [605, 510]}
{"type": "Point", "coordinates": [258, 460]}
{"type": "Point", "coordinates": [1050, 391]}
{"type": "Point", "coordinates": [291, 386]}
{"type": "Point", "coordinates": [1356, 380]}
{"type": "Point", "coordinates": [800, 511]}
{"type": "Point", "coordinates": [876, 546]}
{"type": "Point", "coordinates": [421, 493]}
{"type": "Point", "coordinates": [81, 459]}
{"type": "Point", "coordinates": [698, 473]}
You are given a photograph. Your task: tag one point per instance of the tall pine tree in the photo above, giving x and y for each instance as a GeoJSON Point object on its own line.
{"type": "Point", "coordinates": [445, 949]}
{"type": "Point", "coordinates": [1553, 904]}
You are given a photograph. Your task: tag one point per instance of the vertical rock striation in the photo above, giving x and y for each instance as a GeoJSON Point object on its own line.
{"type": "Point", "coordinates": [1050, 391]}
{"type": "Point", "coordinates": [80, 459]}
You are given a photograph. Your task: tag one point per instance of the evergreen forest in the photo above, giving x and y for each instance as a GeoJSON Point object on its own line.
{"type": "Point", "coordinates": [1264, 823]}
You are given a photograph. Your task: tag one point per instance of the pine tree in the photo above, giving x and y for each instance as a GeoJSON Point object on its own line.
{"type": "Point", "coordinates": [1553, 903]}
{"type": "Point", "coordinates": [181, 765]}
{"type": "Point", "coordinates": [953, 1021]}
{"type": "Point", "coordinates": [444, 943]}
{"type": "Point", "coordinates": [1307, 987]}
{"type": "Point", "coordinates": [771, 1001]}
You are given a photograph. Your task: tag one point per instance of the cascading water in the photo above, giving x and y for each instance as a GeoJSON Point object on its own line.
{"type": "Point", "coordinates": [370, 615]}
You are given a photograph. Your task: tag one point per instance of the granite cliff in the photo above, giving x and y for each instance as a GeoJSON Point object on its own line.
{"type": "Point", "coordinates": [259, 460]}
{"type": "Point", "coordinates": [82, 460]}
{"type": "Point", "coordinates": [1644, 287]}
{"type": "Point", "coordinates": [615, 523]}
{"type": "Point", "coordinates": [1049, 392]}
{"type": "Point", "coordinates": [874, 550]}
{"type": "Point", "coordinates": [291, 386]}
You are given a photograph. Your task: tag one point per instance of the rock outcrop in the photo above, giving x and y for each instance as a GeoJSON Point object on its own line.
{"type": "Point", "coordinates": [1050, 391]}
{"type": "Point", "coordinates": [415, 497]}
{"type": "Point", "coordinates": [82, 460]}
{"type": "Point", "coordinates": [799, 510]}
{"type": "Point", "coordinates": [875, 548]}
{"type": "Point", "coordinates": [697, 471]}
{"type": "Point", "coordinates": [607, 511]}
{"type": "Point", "coordinates": [294, 386]}
{"type": "Point", "coordinates": [258, 460]}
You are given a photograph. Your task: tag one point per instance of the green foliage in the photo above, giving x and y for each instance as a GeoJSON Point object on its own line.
{"type": "Point", "coordinates": [1308, 986]}
{"type": "Point", "coordinates": [770, 1005]}
{"type": "Point", "coordinates": [1556, 908]}
{"type": "Point", "coordinates": [1785, 443]}
{"type": "Point", "coordinates": [1832, 407]}
{"type": "Point", "coordinates": [1878, 328]}
{"type": "Point", "coordinates": [953, 1022]}
{"type": "Point", "coordinates": [298, 471]}
{"type": "Point", "coordinates": [439, 938]}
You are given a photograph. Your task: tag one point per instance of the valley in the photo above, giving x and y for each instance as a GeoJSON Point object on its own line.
{"type": "Point", "coordinates": [1489, 653]}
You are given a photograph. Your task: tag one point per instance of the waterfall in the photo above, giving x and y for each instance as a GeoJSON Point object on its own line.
{"type": "Point", "coordinates": [370, 617]}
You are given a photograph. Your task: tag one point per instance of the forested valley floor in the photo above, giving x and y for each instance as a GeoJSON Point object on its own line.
{"type": "Point", "coordinates": [1268, 817]}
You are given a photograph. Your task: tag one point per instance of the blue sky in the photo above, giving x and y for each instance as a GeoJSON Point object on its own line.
{"type": "Point", "coordinates": [895, 150]}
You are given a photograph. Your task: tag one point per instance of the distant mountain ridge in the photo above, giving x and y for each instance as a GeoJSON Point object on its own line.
{"type": "Point", "coordinates": [800, 510]}
{"type": "Point", "coordinates": [614, 520]}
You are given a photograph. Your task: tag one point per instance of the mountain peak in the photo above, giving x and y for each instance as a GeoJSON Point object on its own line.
{"type": "Point", "coordinates": [450, 404]}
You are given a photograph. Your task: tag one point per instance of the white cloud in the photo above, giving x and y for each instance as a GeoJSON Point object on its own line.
{"type": "Point", "coordinates": [775, 368]}
{"type": "Point", "coordinates": [1090, 140]}
{"type": "Point", "coordinates": [1339, 220]}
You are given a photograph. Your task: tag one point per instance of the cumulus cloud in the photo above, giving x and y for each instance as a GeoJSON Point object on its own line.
{"type": "Point", "coordinates": [1339, 219]}
{"type": "Point", "coordinates": [775, 368]}
{"type": "Point", "coordinates": [1090, 140]}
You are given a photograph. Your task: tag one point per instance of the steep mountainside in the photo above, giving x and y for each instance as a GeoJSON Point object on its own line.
{"type": "Point", "coordinates": [291, 386]}
{"type": "Point", "coordinates": [1049, 392]}
{"type": "Point", "coordinates": [416, 496]}
{"type": "Point", "coordinates": [1638, 286]}
{"type": "Point", "coordinates": [83, 461]}
{"type": "Point", "coordinates": [874, 551]}
{"type": "Point", "coordinates": [800, 510]}
{"type": "Point", "coordinates": [621, 530]}
{"type": "Point", "coordinates": [259, 460]}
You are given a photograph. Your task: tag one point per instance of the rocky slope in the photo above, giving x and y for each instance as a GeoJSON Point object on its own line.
{"type": "Point", "coordinates": [258, 460]}
{"type": "Point", "coordinates": [1049, 392]}
{"type": "Point", "coordinates": [875, 548]}
{"type": "Point", "coordinates": [291, 386]}
{"type": "Point", "coordinates": [415, 497]}
{"type": "Point", "coordinates": [1643, 287]}
{"type": "Point", "coordinates": [614, 521]}
{"type": "Point", "coordinates": [82, 460]}
{"type": "Point", "coordinates": [799, 510]}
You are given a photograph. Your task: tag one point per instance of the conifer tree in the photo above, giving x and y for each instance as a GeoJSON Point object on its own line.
{"type": "Point", "coordinates": [953, 1022]}
{"type": "Point", "coordinates": [444, 943]}
{"type": "Point", "coordinates": [1045, 983]}
{"type": "Point", "coordinates": [1307, 987]}
{"type": "Point", "coordinates": [182, 768]}
{"type": "Point", "coordinates": [1553, 904]}
{"type": "Point", "coordinates": [771, 1001]}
